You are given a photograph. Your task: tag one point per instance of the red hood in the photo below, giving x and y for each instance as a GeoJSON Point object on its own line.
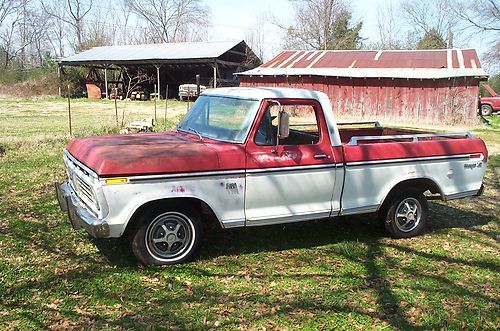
{"type": "Point", "coordinates": [154, 153]}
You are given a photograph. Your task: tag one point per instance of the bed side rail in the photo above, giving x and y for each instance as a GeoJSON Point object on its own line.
{"type": "Point", "coordinates": [412, 137]}
{"type": "Point", "coordinates": [376, 124]}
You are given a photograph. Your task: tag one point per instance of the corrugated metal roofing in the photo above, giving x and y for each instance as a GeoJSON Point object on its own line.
{"type": "Point", "coordinates": [422, 64]}
{"type": "Point", "coordinates": [152, 52]}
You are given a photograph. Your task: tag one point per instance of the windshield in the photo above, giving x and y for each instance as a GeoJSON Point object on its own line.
{"type": "Point", "coordinates": [220, 118]}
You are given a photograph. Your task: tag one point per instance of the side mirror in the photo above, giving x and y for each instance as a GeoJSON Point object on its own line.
{"type": "Point", "coordinates": [283, 128]}
{"type": "Point", "coordinates": [283, 125]}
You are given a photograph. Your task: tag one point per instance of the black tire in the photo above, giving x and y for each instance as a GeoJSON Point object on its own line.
{"type": "Point", "coordinates": [486, 110]}
{"type": "Point", "coordinates": [168, 235]}
{"type": "Point", "coordinates": [406, 214]}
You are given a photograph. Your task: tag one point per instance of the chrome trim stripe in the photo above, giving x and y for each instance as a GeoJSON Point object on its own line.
{"type": "Point", "coordinates": [417, 159]}
{"type": "Point", "coordinates": [233, 224]}
{"type": "Point", "coordinates": [360, 210]}
{"type": "Point", "coordinates": [460, 195]}
{"type": "Point", "coordinates": [296, 168]}
{"type": "Point", "coordinates": [136, 179]}
{"type": "Point", "coordinates": [288, 218]}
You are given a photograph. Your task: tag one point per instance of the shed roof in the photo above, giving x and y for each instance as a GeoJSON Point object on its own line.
{"type": "Point", "coordinates": [152, 53]}
{"type": "Point", "coordinates": [419, 64]}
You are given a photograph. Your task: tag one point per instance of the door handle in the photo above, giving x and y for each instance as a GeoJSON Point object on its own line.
{"type": "Point", "coordinates": [320, 156]}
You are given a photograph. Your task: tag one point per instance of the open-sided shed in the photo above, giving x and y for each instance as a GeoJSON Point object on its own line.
{"type": "Point", "coordinates": [170, 63]}
{"type": "Point", "coordinates": [429, 85]}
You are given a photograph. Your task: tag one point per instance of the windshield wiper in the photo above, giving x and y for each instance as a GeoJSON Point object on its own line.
{"type": "Point", "coordinates": [188, 130]}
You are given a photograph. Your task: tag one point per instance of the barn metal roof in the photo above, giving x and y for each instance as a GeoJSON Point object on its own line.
{"type": "Point", "coordinates": [151, 53]}
{"type": "Point", "coordinates": [420, 64]}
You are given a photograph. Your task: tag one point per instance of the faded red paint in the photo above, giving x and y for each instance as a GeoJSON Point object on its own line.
{"type": "Point", "coordinates": [440, 100]}
{"type": "Point", "coordinates": [425, 59]}
{"type": "Point", "coordinates": [155, 153]}
{"type": "Point", "coordinates": [402, 150]}
{"type": "Point", "coordinates": [436, 101]}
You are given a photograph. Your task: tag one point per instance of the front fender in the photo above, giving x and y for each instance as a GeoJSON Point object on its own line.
{"type": "Point", "coordinates": [226, 201]}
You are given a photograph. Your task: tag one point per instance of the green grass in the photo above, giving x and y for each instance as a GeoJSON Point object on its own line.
{"type": "Point", "coordinates": [341, 274]}
{"type": "Point", "coordinates": [491, 133]}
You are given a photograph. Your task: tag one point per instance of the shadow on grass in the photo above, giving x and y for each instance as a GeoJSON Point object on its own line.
{"type": "Point", "coordinates": [360, 230]}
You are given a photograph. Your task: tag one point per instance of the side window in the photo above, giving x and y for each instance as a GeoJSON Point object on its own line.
{"type": "Point", "coordinates": [304, 128]}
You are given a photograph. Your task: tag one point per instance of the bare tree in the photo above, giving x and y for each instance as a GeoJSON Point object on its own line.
{"type": "Point", "coordinates": [389, 27]}
{"type": "Point", "coordinates": [133, 81]}
{"type": "Point", "coordinates": [15, 36]}
{"type": "Point", "coordinates": [173, 20]}
{"type": "Point", "coordinates": [57, 30]}
{"type": "Point", "coordinates": [481, 19]}
{"type": "Point", "coordinates": [481, 15]}
{"type": "Point", "coordinates": [426, 17]}
{"type": "Point", "coordinates": [255, 35]}
{"type": "Point", "coordinates": [73, 15]}
{"type": "Point", "coordinates": [8, 7]}
{"type": "Point", "coordinates": [123, 30]}
{"type": "Point", "coordinates": [321, 24]}
{"type": "Point", "coordinates": [39, 46]}
{"type": "Point", "coordinates": [100, 29]}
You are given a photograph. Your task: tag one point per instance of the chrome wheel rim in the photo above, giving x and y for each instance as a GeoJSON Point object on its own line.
{"type": "Point", "coordinates": [169, 236]}
{"type": "Point", "coordinates": [408, 214]}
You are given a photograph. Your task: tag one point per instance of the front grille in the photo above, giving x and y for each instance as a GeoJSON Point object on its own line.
{"type": "Point", "coordinates": [81, 185]}
{"type": "Point", "coordinates": [83, 189]}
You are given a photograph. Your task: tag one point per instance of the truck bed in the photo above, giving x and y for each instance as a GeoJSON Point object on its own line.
{"type": "Point", "coordinates": [358, 133]}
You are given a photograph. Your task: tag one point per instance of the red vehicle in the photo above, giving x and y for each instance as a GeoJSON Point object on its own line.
{"type": "Point", "coordinates": [489, 105]}
{"type": "Point", "coordinates": [258, 156]}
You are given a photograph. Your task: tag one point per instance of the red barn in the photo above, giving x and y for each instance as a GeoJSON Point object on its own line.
{"type": "Point", "coordinates": [433, 86]}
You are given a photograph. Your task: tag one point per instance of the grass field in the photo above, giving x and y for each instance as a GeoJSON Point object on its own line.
{"type": "Point", "coordinates": [341, 274]}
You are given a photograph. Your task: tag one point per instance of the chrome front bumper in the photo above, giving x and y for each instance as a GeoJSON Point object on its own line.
{"type": "Point", "coordinates": [78, 215]}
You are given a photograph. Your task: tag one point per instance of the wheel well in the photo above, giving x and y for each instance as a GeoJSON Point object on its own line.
{"type": "Point", "coordinates": [208, 215]}
{"type": "Point", "coordinates": [421, 185]}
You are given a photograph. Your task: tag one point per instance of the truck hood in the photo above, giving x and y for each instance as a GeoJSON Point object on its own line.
{"type": "Point", "coordinates": [153, 153]}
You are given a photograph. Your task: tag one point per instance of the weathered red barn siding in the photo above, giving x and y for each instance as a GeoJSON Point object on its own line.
{"type": "Point", "coordinates": [435, 101]}
{"type": "Point", "coordinates": [359, 83]}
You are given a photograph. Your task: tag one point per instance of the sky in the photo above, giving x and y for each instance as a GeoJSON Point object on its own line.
{"type": "Point", "coordinates": [232, 19]}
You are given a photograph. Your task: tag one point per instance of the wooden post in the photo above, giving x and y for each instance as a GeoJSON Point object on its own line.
{"type": "Point", "coordinates": [158, 80]}
{"type": "Point", "coordinates": [215, 75]}
{"type": "Point", "coordinates": [198, 85]}
{"type": "Point", "coordinates": [59, 80]}
{"type": "Point", "coordinates": [106, 80]}
{"type": "Point", "coordinates": [156, 96]}
{"type": "Point", "coordinates": [69, 111]}
{"type": "Point", "coordinates": [166, 107]}
{"type": "Point", "coordinates": [116, 107]}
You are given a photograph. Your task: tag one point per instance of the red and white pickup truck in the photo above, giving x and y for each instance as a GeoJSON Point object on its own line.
{"type": "Point", "coordinates": [489, 105]}
{"type": "Point", "coordinates": [258, 156]}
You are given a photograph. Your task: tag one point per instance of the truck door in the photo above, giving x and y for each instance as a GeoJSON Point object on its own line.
{"type": "Point", "coordinates": [294, 181]}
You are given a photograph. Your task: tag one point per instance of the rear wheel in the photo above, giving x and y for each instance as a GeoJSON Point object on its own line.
{"type": "Point", "coordinates": [167, 236]}
{"type": "Point", "coordinates": [406, 215]}
{"type": "Point", "coordinates": [486, 110]}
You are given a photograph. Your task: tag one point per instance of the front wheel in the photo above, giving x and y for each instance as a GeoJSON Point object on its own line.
{"type": "Point", "coordinates": [407, 214]}
{"type": "Point", "coordinates": [167, 236]}
{"type": "Point", "coordinates": [486, 110]}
